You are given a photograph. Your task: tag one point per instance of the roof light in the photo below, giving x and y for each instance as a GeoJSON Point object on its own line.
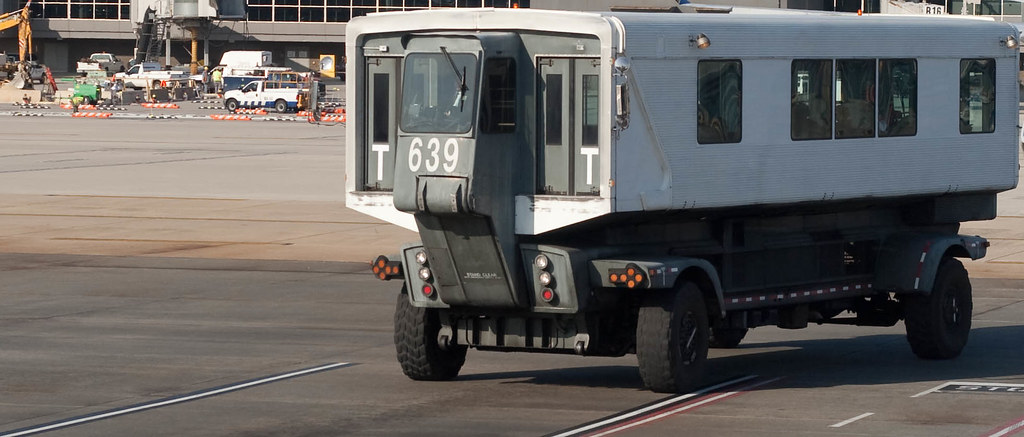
{"type": "Point", "coordinates": [1010, 42]}
{"type": "Point", "coordinates": [700, 41]}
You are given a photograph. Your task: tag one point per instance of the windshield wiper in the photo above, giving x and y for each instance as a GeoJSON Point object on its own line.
{"type": "Point", "coordinates": [460, 98]}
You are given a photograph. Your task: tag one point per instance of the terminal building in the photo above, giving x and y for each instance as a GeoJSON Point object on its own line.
{"type": "Point", "coordinates": [298, 32]}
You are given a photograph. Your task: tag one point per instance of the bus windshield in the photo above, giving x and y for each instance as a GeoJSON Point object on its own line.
{"type": "Point", "coordinates": [439, 92]}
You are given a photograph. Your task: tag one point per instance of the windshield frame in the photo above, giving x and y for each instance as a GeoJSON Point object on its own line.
{"type": "Point", "coordinates": [455, 78]}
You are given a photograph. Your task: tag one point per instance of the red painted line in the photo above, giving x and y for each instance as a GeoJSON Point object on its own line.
{"type": "Point", "coordinates": [1010, 428]}
{"type": "Point", "coordinates": [697, 403]}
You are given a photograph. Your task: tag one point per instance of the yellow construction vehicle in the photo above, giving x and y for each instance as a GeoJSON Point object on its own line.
{"type": "Point", "coordinates": [18, 72]}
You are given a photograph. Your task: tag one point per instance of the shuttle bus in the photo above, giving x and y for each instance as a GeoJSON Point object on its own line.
{"type": "Point", "coordinates": [657, 184]}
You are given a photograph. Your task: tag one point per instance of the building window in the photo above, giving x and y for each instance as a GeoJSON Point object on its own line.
{"type": "Point", "coordinates": [855, 98]}
{"type": "Point", "coordinates": [260, 13]}
{"type": "Point", "coordinates": [977, 96]}
{"type": "Point", "coordinates": [719, 102]}
{"type": "Point", "coordinates": [340, 11]}
{"type": "Point", "coordinates": [55, 10]}
{"type": "Point", "coordinates": [811, 99]}
{"type": "Point", "coordinates": [498, 111]}
{"type": "Point", "coordinates": [897, 97]}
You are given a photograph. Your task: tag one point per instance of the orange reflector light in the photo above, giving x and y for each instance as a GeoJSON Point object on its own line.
{"type": "Point", "coordinates": [385, 269]}
{"type": "Point", "coordinates": [632, 276]}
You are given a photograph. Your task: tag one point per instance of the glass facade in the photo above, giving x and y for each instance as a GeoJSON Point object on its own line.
{"type": "Point", "coordinates": [299, 11]}
{"type": "Point", "coordinates": [83, 9]}
{"type": "Point", "coordinates": [335, 11]}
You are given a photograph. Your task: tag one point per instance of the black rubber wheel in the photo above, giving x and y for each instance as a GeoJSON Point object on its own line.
{"type": "Point", "coordinates": [280, 106]}
{"type": "Point", "coordinates": [231, 104]}
{"type": "Point", "coordinates": [672, 339]}
{"type": "Point", "coordinates": [419, 354]}
{"type": "Point", "coordinates": [726, 338]}
{"type": "Point", "coordinates": [938, 324]}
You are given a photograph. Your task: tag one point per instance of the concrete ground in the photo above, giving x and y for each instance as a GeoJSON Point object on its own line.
{"type": "Point", "coordinates": [164, 277]}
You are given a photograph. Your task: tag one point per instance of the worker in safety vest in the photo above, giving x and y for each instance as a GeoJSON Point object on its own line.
{"type": "Point", "coordinates": [218, 81]}
{"type": "Point", "coordinates": [75, 102]}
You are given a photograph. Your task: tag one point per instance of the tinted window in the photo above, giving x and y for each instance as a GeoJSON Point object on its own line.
{"type": "Point", "coordinates": [719, 102]}
{"type": "Point", "coordinates": [897, 97]}
{"type": "Point", "coordinates": [811, 99]}
{"type": "Point", "coordinates": [977, 95]}
{"type": "Point", "coordinates": [553, 110]}
{"type": "Point", "coordinates": [855, 98]}
{"type": "Point", "coordinates": [381, 98]}
{"type": "Point", "coordinates": [498, 110]}
{"type": "Point", "coordinates": [590, 92]}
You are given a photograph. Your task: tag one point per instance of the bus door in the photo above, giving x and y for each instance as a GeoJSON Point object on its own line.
{"type": "Point", "coordinates": [381, 124]}
{"type": "Point", "coordinates": [567, 159]}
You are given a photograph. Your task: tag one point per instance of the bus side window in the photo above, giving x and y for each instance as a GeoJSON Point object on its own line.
{"type": "Point", "coordinates": [897, 97]}
{"type": "Point", "coordinates": [719, 102]}
{"type": "Point", "coordinates": [855, 98]}
{"type": "Point", "coordinates": [811, 99]}
{"type": "Point", "coordinates": [977, 96]}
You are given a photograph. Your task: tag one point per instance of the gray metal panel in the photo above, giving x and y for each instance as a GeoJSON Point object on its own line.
{"type": "Point", "coordinates": [766, 167]}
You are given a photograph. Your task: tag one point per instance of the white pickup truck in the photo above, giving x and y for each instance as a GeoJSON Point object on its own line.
{"type": "Point", "coordinates": [149, 75]}
{"type": "Point", "coordinates": [100, 61]}
{"type": "Point", "coordinates": [282, 96]}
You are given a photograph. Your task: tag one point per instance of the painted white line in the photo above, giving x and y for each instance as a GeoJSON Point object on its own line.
{"type": "Point", "coordinates": [656, 406]}
{"type": "Point", "coordinates": [850, 420]}
{"type": "Point", "coordinates": [674, 411]}
{"type": "Point", "coordinates": [947, 384]}
{"type": "Point", "coordinates": [171, 401]}
{"type": "Point", "coordinates": [931, 390]}
{"type": "Point", "coordinates": [1008, 430]}
{"type": "Point", "coordinates": [1001, 384]}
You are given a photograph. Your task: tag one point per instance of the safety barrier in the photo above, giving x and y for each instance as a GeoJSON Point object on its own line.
{"type": "Point", "coordinates": [160, 105]}
{"type": "Point", "coordinates": [256, 111]}
{"type": "Point", "coordinates": [91, 114]}
{"type": "Point", "coordinates": [31, 106]}
{"type": "Point", "coordinates": [80, 107]}
{"type": "Point", "coordinates": [328, 118]}
{"type": "Point", "coordinates": [230, 117]}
